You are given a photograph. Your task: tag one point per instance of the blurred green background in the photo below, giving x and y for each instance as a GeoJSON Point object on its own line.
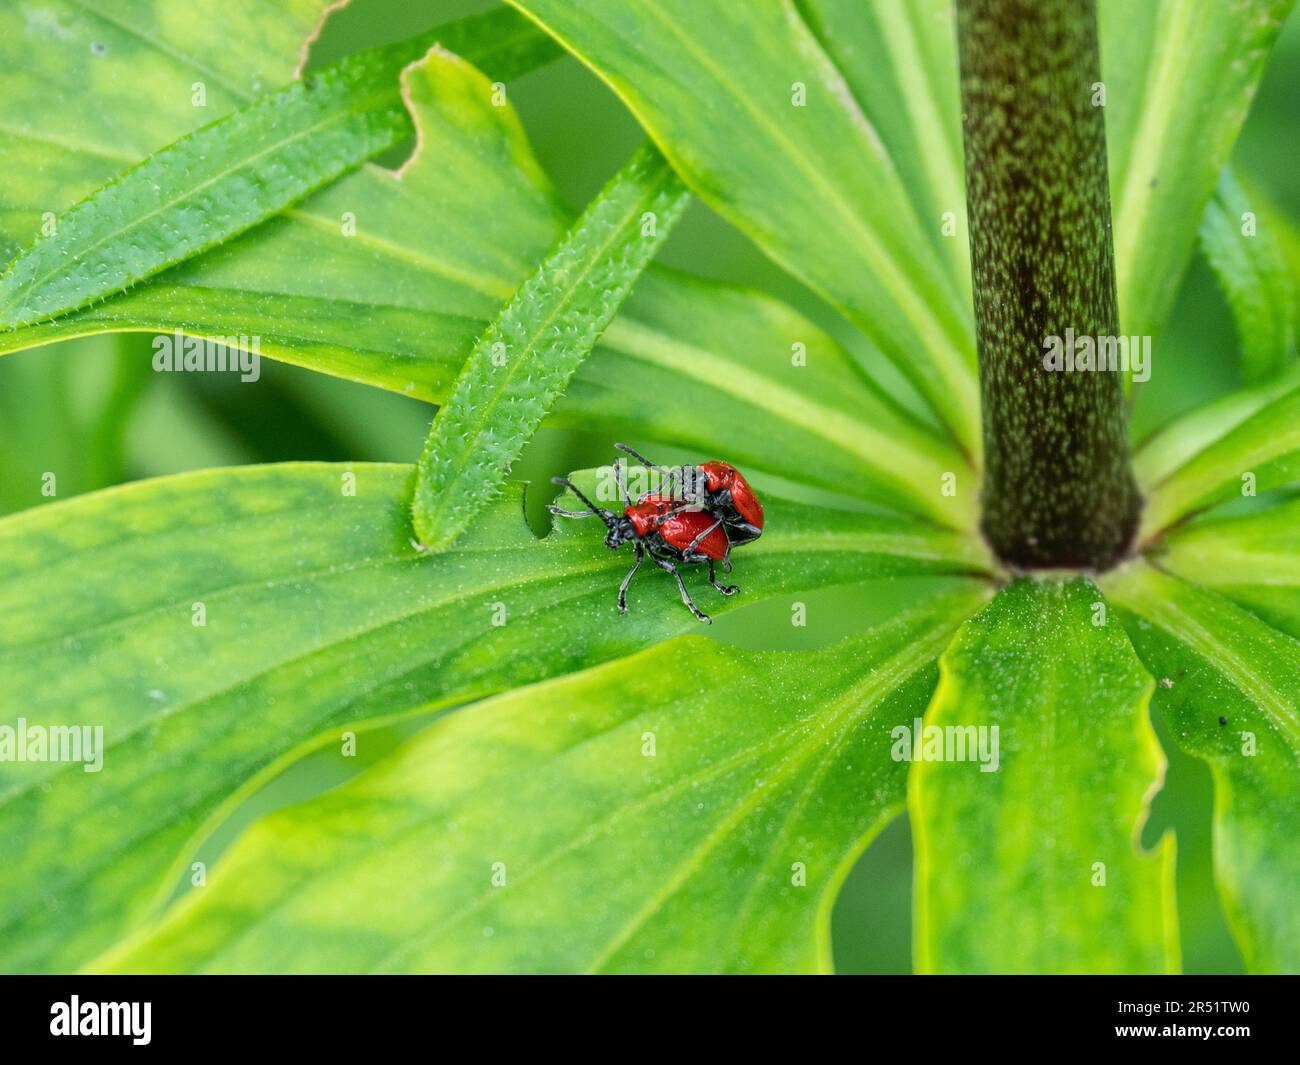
{"type": "Point", "coordinates": [93, 413]}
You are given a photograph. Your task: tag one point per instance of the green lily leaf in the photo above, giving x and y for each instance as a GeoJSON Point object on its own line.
{"type": "Point", "coordinates": [438, 248]}
{"type": "Point", "coordinates": [797, 166]}
{"type": "Point", "coordinates": [233, 617]}
{"type": "Point", "coordinates": [525, 359]}
{"type": "Point", "coordinates": [1162, 453]}
{"type": "Point", "coordinates": [1230, 688]}
{"type": "Point", "coordinates": [525, 834]}
{"type": "Point", "coordinates": [1247, 258]}
{"type": "Point", "coordinates": [1253, 559]}
{"type": "Point", "coordinates": [233, 173]}
{"type": "Point", "coordinates": [900, 59]}
{"type": "Point", "coordinates": [1034, 865]}
{"type": "Point", "coordinates": [1255, 453]}
{"type": "Point", "coordinates": [1179, 80]}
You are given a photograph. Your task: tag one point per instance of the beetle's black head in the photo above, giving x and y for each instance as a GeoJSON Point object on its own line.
{"type": "Point", "coordinates": [621, 530]}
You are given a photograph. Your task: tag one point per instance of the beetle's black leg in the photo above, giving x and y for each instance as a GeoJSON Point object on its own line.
{"type": "Point", "coordinates": [696, 542]}
{"type": "Point", "coordinates": [622, 588]}
{"type": "Point", "coordinates": [744, 533]}
{"type": "Point", "coordinates": [725, 589]}
{"type": "Point", "coordinates": [663, 563]}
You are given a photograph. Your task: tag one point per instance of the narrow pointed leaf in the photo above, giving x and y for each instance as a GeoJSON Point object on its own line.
{"type": "Point", "coordinates": [1179, 80]}
{"type": "Point", "coordinates": [784, 152]}
{"type": "Point", "coordinates": [1254, 559]}
{"type": "Point", "coordinates": [528, 833]}
{"type": "Point", "coordinates": [215, 623]}
{"type": "Point", "coordinates": [900, 59]}
{"type": "Point", "coordinates": [227, 176]}
{"type": "Point", "coordinates": [1230, 689]}
{"type": "Point", "coordinates": [1162, 453]}
{"type": "Point", "coordinates": [1258, 453]}
{"type": "Point", "coordinates": [1036, 865]}
{"type": "Point", "coordinates": [525, 359]}
{"type": "Point", "coordinates": [1244, 251]}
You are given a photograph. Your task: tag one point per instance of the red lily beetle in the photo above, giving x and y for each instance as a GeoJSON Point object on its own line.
{"type": "Point", "coordinates": [668, 530]}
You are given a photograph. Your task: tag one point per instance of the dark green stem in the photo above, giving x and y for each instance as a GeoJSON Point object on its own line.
{"type": "Point", "coordinates": [1059, 489]}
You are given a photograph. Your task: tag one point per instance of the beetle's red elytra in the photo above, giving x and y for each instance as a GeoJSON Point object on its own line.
{"type": "Point", "coordinates": [684, 530]}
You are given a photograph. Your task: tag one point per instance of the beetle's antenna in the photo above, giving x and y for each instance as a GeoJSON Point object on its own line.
{"type": "Point", "coordinates": [642, 459]}
{"type": "Point", "coordinates": [663, 471]}
{"type": "Point", "coordinates": [600, 512]}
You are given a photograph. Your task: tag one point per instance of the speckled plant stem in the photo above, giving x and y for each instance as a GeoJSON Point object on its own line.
{"type": "Point", "coordinates": [1059, 489]}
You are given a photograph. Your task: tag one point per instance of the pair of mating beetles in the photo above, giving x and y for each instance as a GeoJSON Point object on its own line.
{"type": "Point", "coordinates": [702, 513]}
